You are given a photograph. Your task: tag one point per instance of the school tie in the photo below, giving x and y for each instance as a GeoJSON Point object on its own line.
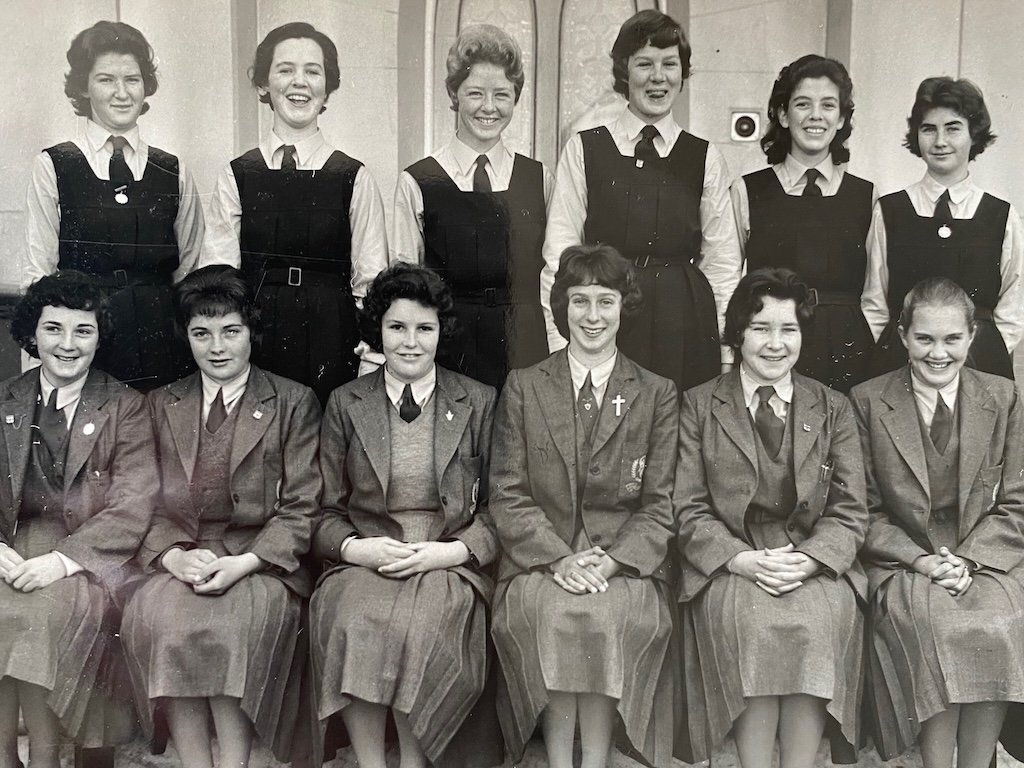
{"type": "Point", "coordinates": [481, 182]}
{"type": "Point", "coordinates": [942, 212]}
{"type": "Point", "coordinates": [942, 424]}
{"type": "Point", "coordinates": [586, 406]}
{"type": "Point", "coordinates": [218, 413]}
{"type": "Point", "coordinates": [52, 428]}
{"type": "Point", "coordinates": [769, 426]}
{"type": "Point", "coordinates": [117, 168]}
{"type": "Point", "coordinates": [407, 408]}
{"type": "Point", "coordinates": [812, 189]}
{"type": "Point", "coordinates": [288, 158]}
{"type": "Point", "coordinates": [645, 147]}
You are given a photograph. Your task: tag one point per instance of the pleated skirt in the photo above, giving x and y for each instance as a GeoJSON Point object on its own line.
{"type": "Point", "coordinates": [928, 650]}
{"type": "Point", "coordinates": [611, 643]}
{"type": "Point", "coordinates": [243, 644]}
{"type": "Point", "coordinates": [63, 638]}
{"type": "Point", "coordinates": [416, 645]}
{"type": "Point", "coordinates": [738, 642]}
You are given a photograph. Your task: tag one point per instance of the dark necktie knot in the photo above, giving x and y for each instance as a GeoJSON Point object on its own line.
{"type": "Point", "coordinates": [52, 427]}
{"type": "Point", "coordinates": [288, 157]}
{"type": "Point", "coordinates": [481, 181]}
{"type": "Point", "coordinates": [811, 189]}
{"type": "Point", "coordinates": [407, 407]}
{"type": "Point", "coordinates": [942, 424]}
{"type": "Point", "coordinates": [942, 209]}
{"type": "Point", "coordinates": [769, 426]}
{"type": "Point", "coordinates": [218, 413]}
{"type": "Point", "coordinates": [586, 407]}
{"type": "Point", "coordinates": [117, 167]}
{"type": "Point", "coordinates": [645, 149]}
{"type": "Point", "coordinates": [119, 143]}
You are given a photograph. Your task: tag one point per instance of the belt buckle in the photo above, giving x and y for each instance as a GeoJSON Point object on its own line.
{"type": "Point", "coordinates": [490, 297]}
{"type": "Point", "coordinates": [647, 260]}
{"type": "Point", "coordinates": [121, 278]}
{"type": "Point", "coordinates": [812, 297]}
{"type": "Point", "coordinates": [295, 276]}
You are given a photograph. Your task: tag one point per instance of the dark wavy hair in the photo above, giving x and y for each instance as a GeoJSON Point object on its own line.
{"type": "Point", "coordinates": [259, 72]}
{"type": "Point", "coordinates": [215, 291]}
{"type": "Point", "coordinates": [748, 299]}
{"type": "Point", "coordinates": [936, 292]}
{"type": "Point", "coordinates": [777, 140]}
{"type": "Point", "coordinates": [643, 28]}
{"type": "Point", "coordinates": [402, 280]}
{"type": "Point", "coordinates": [963, 97]}
{"type": "Point", "coordinates": [67, 288]}
{"type": "Point", "coordinates": [106, 37]}
{"type": "Point", "coordinates": [487, 44]}
{"type": "Point", "coordinates": [594, 265]}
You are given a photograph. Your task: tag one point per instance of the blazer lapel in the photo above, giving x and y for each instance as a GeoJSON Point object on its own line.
{"type": "Point", "coordinates": [904, 428]}
{"type": "Point", "coordinates": [256, 412]}
{"type": "Point", "coordinates": [618, 397]}
{"type": "Point", "coordinates": [370, 419]}
{"type": "Point", "coordinates": [17, 416]}
{"type": "Point", "coordinates": [977, 422]}
{"type": "Point", "coordinates": [450, 420]}
{"type": "Point", "coordinates": [731, 412]}
{"type": "Point", "coordinates": [184, 416]}
{"type": "Point", "coordinates": [808, 416]}
{"type": "Point", "coordinates": [554, 393]}
{"type": "Point", "coordinates": [86, 428]}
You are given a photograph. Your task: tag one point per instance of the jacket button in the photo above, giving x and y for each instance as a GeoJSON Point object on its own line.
{"type": "Point", "coordinates": [444, 500]}
{"type": "Point", "coordinates": [587, 505]}
{"type": "Point", "coordinates": [596, 538]}
{"type": "Point", "coordinates": [803, 505]}
{"type": "Point", "coordinates": [595, 470]}
{"type": "Point", "coordinates": [791, 527]}
{"type": "Point", "coordinates": [235, 498]}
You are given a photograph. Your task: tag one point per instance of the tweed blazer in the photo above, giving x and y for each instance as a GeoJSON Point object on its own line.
{"type": "Point", "coordinates": [991, 472]}
{"type": "Point", "coordinates": [275, 476]}
{"type": "Point", "coordinates": [718, 476]}
{"type": "Point", "coordinates": [110, 477]}
{"type": "Point", "coordinates": [356, 463]}
{"type": "Point", "coordinates": [626, 505]}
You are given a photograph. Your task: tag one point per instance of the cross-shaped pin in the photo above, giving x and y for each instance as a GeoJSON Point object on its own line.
{"type": "Point", "coordinates": [618, 403]}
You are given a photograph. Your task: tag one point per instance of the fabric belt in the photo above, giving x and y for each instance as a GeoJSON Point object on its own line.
{"type": "Point", "coordinates": [490, 297]}
{"type": "Point", "coordinates": [832, 298]}
{"type": "Point", "coordinates": [291, 271]}
{"type": "Point", "coordinates": [122, 278]}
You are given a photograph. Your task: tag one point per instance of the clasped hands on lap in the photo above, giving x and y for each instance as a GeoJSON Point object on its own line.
{"type": "Point", "coordinates": [586, 572]}
{"type": "Point", "coordinates": [946, 570]}
{"type": "Point", "coordinates": [32, 574]}
{"type": "Point", "coordinates": [399, 559]}
{"type": "Point", "coordinates": [777, 571]}
{"type": "Point", "coordinates": [207, 573]}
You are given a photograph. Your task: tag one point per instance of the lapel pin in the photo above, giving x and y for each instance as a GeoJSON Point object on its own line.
{"type": "Point", "coordinates": [8, 420]}
{"type": "Point", "coordinates": [945, 232]}
{"type": "Point", "coordinates": [618, 402]}
{"type": "Point", "coordinates": [89, 428]}
{"type": "Point", "coordinates": [449, 415]}
{"type": "Point", "coordinates": [807, 427]}
{"type": "Point", "coordinates": [257, 414]}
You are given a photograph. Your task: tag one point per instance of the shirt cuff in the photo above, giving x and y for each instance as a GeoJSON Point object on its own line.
{"type": "Point", "coordinates": [69, 565]}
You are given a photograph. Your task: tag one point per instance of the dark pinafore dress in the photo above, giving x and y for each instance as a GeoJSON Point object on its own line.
{"type": "Point", "coordinates": [243, 643]}
{"type": "Point", "coordinates": [822, 240]}
{"type": "Point", "coordinates": [927, 649]}
{"type": "Point", "coordinates": [63, 638]}
{"type": "Point", "coordinates": [741, 642]}
{"type": "Point", "coordinates": [131, 250]}
{"type": "Point", "coordinates": [487, 246]}
{"type": "Point", "coordinates": [652, 216]}
{"type": "Point", "coordinates": [970, 257]}
{"type": "Point", "coordinates": [296, 244]}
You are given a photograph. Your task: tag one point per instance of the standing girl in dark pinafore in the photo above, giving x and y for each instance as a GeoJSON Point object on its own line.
{"type": "Point", "coordinates": [110, 205]}
{"type": "Point", "coordinates": [301, 219]}
{"type": "Point", "coordinates": [475, 212]}
{"type": "Point", "coordinates": [807, 214]}
{"type": "Point", "coordinates": [945, 226]}
{"type": "Point", "coordinates": [659, 196]}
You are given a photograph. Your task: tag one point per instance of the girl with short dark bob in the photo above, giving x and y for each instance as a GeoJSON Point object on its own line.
{"type": "Point", "coordinates": [584, 461]}
{"type": "Point", "coordinates": [301, 219]}
{"type": "Point", "coordinates": [474, 211]}
{"type": "Point", "coordinates": [110, 205]}
{"type": "Point", "coordinates": [80, 483]}
{"type": "Point", "coordinates": [771, 507]}
{"type": "Point", "coordinates": [214, 632]}
{"type": "Point", "coordinates": [808, 214]}
{"type": "Point", "coordinates": [946, 226]}
{"type": "Point", "coordinates": [399, 617]}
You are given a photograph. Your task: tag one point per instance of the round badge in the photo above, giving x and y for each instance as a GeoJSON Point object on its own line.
{"type": "Point", "coordinates": [945, 231]}
{"type": "Point", "coordinates": [121, 198]}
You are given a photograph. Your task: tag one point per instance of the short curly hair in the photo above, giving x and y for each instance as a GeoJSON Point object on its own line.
{"type": "Point", "coordinates": [777, 140]}
{"type": "Point", "coordinates": [594, 265]}
{"type": "Point", "coordinates": [215, 291]}
{"type": "Point", "coordinates": [402, 280]}
{"type": "Point", "coordinates": [106, 37]}
{"type": "Point", "coordinates": [66, 288]}
{"type": "Point", "coordinates": [483, 44]}
{"type": "Point", "coordinates": [963, 97]}
{"type": "Point", "coordinates": [259, 72]}
{"type": "Point", "coordinates": [748, 299]}
{"type": "Point", "coordinates": [648, 27]}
